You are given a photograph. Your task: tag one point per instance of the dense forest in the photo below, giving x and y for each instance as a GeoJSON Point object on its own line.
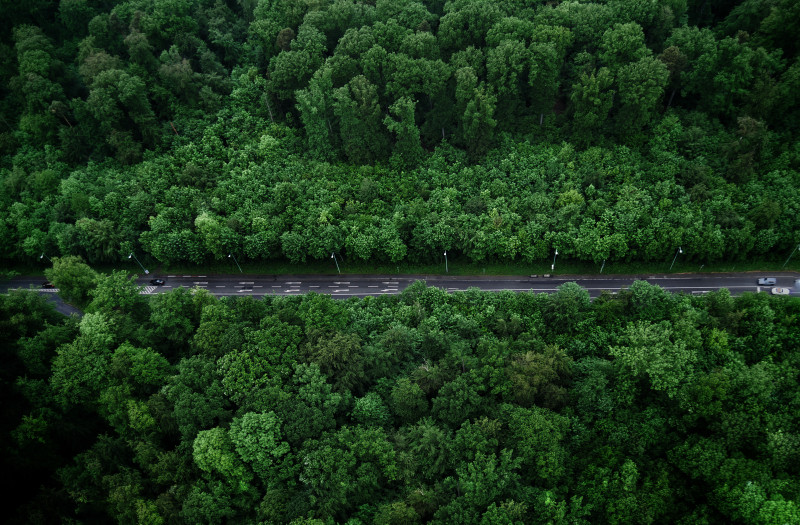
{"type": "Point", "coordinates": [389, 130]}
{"type": "Point", "coordinates": [471, 407]}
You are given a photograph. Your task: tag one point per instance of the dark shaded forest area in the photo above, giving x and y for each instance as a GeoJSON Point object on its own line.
{"type": "Point", "coordinates": [388, 131]}
{"type": "Point", "coordinates": [471, 407]}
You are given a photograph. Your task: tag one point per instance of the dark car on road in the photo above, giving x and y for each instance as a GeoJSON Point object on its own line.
{"type": "Point", "coordinates": [48, 284]}
{"type": "Point", "coordinates": [157, 282]}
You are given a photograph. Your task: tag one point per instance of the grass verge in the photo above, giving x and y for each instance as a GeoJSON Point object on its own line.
{"type": "Point", "coordinates": [454, 267]}
{"type": "Point", "coordinates": [464, 267]}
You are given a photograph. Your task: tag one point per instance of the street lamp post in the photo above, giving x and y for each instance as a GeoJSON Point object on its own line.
{"type": "Point", "coordinates": [140, 264]}
{"type": "Point", "coordinates": [602, 266]}
{"type": "Point", "coordinates": [553, 266]}
{"type": "Point", "coordinates": [45, 256]}
{"type": "Point", "coordinates": [333, 256]}
{"type": "Point", "coordinates": [680, 250]}
{"type": "Point", "coordinates": [230, 256]}
{"type": "Point", "coordinates": [446, 270]}
{"type": "Point", "coordinates": [790, 256]}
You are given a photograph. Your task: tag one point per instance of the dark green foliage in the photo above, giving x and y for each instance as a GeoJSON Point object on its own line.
{"type": "Point", "coordinates": [190, 129]}
{"type": "Point", "coordinates": [389, 131]}
{"type": "Point", "coordinates": [640, 407]}
{"type": "Point", "coordinates": [595, 205]}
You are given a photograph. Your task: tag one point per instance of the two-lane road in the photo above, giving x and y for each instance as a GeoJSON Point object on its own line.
{"type": "Point", "coordinates": [344, 286]}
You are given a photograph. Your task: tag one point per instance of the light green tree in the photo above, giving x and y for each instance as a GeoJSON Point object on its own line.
{"type": "Point", "coordinates": [73, 278]}
{"type": "Point", "coordinates": [652, 350]}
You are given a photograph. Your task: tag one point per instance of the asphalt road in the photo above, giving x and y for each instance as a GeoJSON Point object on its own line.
{"type": "Point", "coordinates": [363, 285]}
{"type": "Point", "coordinates": [62, 307]}
{"type": "Point", "coordinates": [52, 296]}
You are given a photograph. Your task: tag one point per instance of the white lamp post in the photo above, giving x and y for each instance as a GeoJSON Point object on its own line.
{"type": "Point", "coordinates": [333, 256]}
{"type": "Point", "coordinates": [790, 256]}
{"type": "Point", "coordinates": [230, 256]}
{"type": "Point", "coordinates": [680, 250]}
{"type": "Point", "coordinates": [140, 264]}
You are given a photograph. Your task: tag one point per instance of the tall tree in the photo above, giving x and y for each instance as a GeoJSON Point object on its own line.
{"type": "Point", "coordinates": [641, 89]}
{"type": "Point", "coordinates": [407, 145]}
{"type": "Point", "coordinates": [360, 125]}
{"type": "Point", "coordinates": [316, 106]}
{"type": "Point", "coordinates": [476, 103]}
{"type": "Point", "coordinates": [591, 99]}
